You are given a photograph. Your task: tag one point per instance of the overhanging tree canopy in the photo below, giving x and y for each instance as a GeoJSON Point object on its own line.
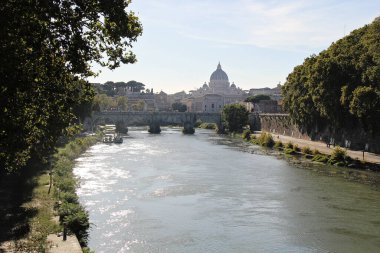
{"type": "Point", "coordinates": [46, 48]}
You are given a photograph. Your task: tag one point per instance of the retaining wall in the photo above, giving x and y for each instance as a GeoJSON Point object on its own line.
{"type": "Point", "coordinates": [356, 139]}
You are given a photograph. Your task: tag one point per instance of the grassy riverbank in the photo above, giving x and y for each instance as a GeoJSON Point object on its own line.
{"type": "Point", "coordinates": [71, 213]}
{"type": "Point", "coordinates": [28, 210]}
{"type": "Point", "coordinates": [338, 163]}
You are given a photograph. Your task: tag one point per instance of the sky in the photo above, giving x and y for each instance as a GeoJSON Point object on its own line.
{"type": "Point", "coordinates": [257, 42]}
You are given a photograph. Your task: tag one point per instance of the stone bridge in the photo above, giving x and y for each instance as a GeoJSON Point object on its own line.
{"type": "Point", "coordinates": [152, 119]}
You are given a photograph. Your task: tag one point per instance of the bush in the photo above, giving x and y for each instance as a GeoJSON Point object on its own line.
{"type": "Point", "coordinates": [69, 197]}
{"type": "Point", "coordinates": [289, 145]}
{"type": "Point", "coordinates": [71, 213]}
{"type": "Point", "coordinates": [246, 135]}
{"type": "Point", "coordinates": [278, 145]}
{"type": "Point", "coordinates": [306, 150]}
{"type": "Point", "coordinates": [320, 158]}
{"type": "Point", "coordinates": [266, 140]}
{"type": "Point", "coordinates": [289, 151]}
{"type": "Point", "coordinates": [78, 223]}
{"type": "Point", "coordinates": [254, 140]}
{"type": "Point", "coordinates": [339, 157]}
{"type": "Point", "coordinates": [316, 152]}
{"type": "Point", "coordinates": [211, 126]}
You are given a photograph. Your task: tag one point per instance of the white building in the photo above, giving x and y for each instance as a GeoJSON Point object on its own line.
{"type": "Point", "coordinates": [212, 97]}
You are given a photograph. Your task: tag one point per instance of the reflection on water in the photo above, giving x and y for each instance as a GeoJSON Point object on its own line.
{"type": "Point", "coordinates": [178, 193]}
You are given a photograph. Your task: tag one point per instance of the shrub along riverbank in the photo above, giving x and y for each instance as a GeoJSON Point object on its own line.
{"type": "Point", "coordinates": [72, 214]}
{"type": "Point", "coordinates": [29, 202]}
{"type": "Point", "coordinates": [337, 163]}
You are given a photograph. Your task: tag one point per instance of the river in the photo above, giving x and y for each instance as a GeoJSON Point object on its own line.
{"type": "Point", "coordinates": [202, 193]}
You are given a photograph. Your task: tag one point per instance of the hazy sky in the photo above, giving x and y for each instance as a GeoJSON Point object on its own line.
{"type": "Point", "coordinates": [258, 42]}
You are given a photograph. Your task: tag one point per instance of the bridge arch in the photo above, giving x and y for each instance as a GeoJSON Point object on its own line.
{"type": "Point", "coordinates": [186, 119]}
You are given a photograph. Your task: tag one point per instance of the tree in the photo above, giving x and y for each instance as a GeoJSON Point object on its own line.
{"type": "Point", "coordinates": [365, 105]}
{"type": "Point", "coordinates": [122, 103]}
{"type": "Point", "coordinates": [139, 106]}
{"type": "Point", "coordinates": [257, 98]}
{"type": "Point", "coordinates": [177, 106]}
{"type": "Point", "coordinates": [135, 86]}
{"type": "Point", "coordinates": [340, 87]}
{"type": "Point", "coordinates": [45, 55]}
{"type": "Point", "coordinates": [234, 117]}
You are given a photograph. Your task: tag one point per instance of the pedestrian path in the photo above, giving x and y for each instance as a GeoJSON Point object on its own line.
{"type": "Point", "coordinates": [322, 147]}
{"type": "Point", "coordinates": [56, 244]}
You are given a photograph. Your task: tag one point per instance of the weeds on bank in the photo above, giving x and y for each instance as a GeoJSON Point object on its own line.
{"type": "Point", "coordinates": [211, 126]}
{"type": "Point", "coordinates": [338, 157]}
{"type": "Point", "coordinates": [71, 213]}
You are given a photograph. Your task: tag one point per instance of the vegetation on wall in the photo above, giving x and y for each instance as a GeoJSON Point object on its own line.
{"type": "Point", "coordinates": [340, 87]}
{"type": "Point", "coordinates": [45, 54]}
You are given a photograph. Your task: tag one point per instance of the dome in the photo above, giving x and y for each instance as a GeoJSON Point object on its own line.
{"type": "Point", "coordinates": [233, 85]}
{"type": "Point", "coordinates": [219, 74]}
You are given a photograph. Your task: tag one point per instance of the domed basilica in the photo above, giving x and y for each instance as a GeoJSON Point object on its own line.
{"type": "Point", "coordinates": [212, 97]}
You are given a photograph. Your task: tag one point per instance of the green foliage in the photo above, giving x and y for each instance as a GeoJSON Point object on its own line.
{"type": "Point", "coordinates": [102, 102]}
{"type": "Point", "coordinates": [339, 88]}
{"type": "Point", "coordinates": [139, 106]}
{"type": "Point", "coordinates": [306, 150]}
{"type": "Point", "coordinates": [257, 98]}
{"type": "Point", "coordinates": [212, 126]}
{"type": "Point", "coordinates": [320, 158]}
{"type": "Point", "coordinates": [289, 145]}
{"type": "Point", "coordinates": [316, 152]}
{"type": "Point", "coordinates": [78, 223]}
{"type": "Point", "coordinates": [339, 157]}
{"type": "Point", "coordinates": [290, 148]}
{"type": "Point", "coordinates": [122, 103]}
{"type": "Point", "coordinates": [46, 51]}
{"type": "Point", "coordinates": [266, 140]}
{"type": "Point", "coordinates": [246, 135]}
{"type": "Point", "coordinates": [278, 145]}
{"type": "Point", "coordinates": [87, 250]}
{"type": "Point", "coordinates": [235, 117]}
{"type": "Point", "coordinates": [135, 86]}
{"type": "Point", "coordinates": [365, 104]}
{"type": "Point", "coordinates": [71, 213]}
{"type": "Point", "coordinates": [177, 106]}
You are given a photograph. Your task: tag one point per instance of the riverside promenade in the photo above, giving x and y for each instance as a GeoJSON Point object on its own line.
{"type": "Point", "coordinates": [321, 146]}
{"type": "Point", "coordinates": [57, 245]}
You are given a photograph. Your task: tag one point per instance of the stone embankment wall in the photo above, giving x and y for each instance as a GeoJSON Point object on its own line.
{"type": "Point", "coordinates": [281, 124]}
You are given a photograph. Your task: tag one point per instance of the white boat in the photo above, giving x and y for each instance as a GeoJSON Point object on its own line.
{"type": "Point", "coordinates": [108, 138]}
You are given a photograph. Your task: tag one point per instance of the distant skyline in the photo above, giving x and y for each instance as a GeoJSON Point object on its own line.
{"type": "Point", "coordinates": [258, 43]}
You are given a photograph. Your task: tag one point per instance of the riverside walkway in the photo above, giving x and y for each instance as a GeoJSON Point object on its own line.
{"type": "Point", "coordinates": [321, 146]}
{"type": "Point", "coordinates": [57, 245]}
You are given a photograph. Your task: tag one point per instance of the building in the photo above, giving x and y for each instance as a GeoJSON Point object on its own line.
{"type": "Point", "coordinates": [213, 96]}
{"type": "Point", "coordinates": [274, 93]}
{"type": "Point", "coordinates": [162, 101]}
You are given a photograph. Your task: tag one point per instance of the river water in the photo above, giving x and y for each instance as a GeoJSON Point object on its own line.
{"type": "Point", "coordinates": [201, 193]}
